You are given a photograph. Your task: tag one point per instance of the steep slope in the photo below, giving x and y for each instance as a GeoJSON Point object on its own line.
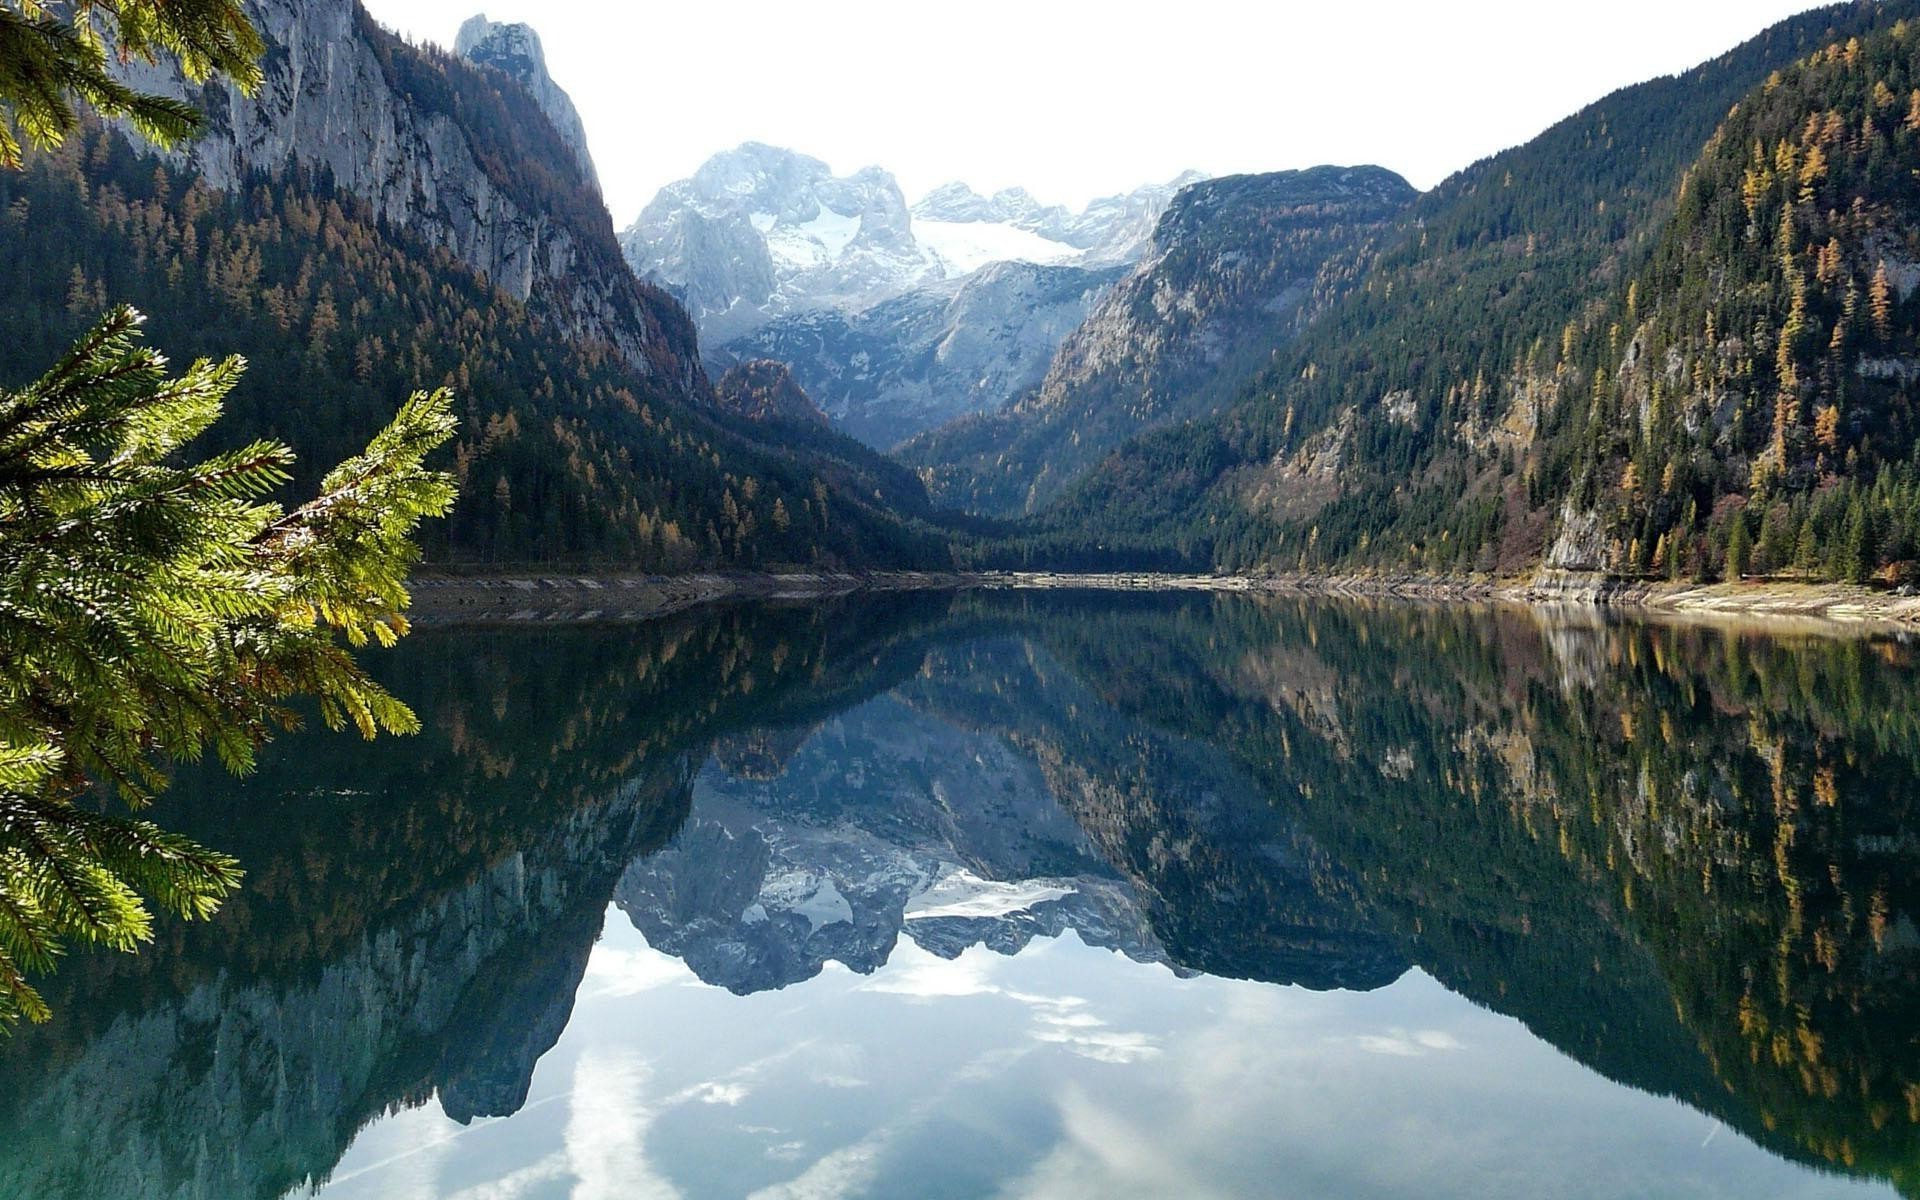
{"type": "Point", "coordinates": [515, 49]}
{"type": "Point", "coordinates": [1757, 373]}
{"type": "Point", "coordinates": [442, 150]}
{"type": "Point", "coordinates": [919, 360]}
{"type": "Point", "coordinates": [1234, 268]}
{"type": "Point", "coordinates": [1406, 428]}
{"type": "Point", "coordinates": [384, 218]}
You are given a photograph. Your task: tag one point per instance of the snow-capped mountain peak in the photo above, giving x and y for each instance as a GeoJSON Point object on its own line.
{"type": "Point", "coordinates": [759, 232]}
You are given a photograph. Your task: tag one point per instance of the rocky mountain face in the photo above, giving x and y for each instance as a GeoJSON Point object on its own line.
{"type": "Point", "coordinates": [764, 390]}
{"type": "Point", "coordinates": [514, 48]}
{"type": "Point", "coordinates": [768, 237]}
{"type": "Point", "coordinates": [760, 230]}
{"type": "Point", "coordinates": [1234, 268]}
{"type": "Point", "coordinates": [436, 146]}
{"type": "Point", "coordinates": [941, 352]}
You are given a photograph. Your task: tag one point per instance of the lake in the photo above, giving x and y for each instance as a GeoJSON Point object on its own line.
{"type": "Point", "coordinates": [1036, 894]}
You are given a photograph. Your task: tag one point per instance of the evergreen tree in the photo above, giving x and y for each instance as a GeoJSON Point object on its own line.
{"type": "Point", "coordinates": [1738, 548]}
{"type": "Point", "coordinates": [1856, 548]}
{"type": "Point", "coordinates": [54, 54]}
{"type": "Point", "coordinates": [1775, 551]}
{"type": "Point", "coordinates": [150, 610]}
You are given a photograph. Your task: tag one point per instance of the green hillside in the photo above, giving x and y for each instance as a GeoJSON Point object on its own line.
{"type": "Point", "coordinates": [1434, 417]}
{"type": "Point", "coordinates": [1237, 266]}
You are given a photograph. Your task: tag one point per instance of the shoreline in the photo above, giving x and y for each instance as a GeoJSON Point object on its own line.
{"type": "Point", "coordinates": [524, 598]}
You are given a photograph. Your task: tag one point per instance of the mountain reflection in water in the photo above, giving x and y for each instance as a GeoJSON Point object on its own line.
{"type": "Point", "coordinates": [1036, 895]}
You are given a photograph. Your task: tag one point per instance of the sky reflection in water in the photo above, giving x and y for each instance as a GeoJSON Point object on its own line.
{"type": "Point", "coordinates": [1052, 896]}
{"type": "Point", "coordinates": [1064, 1071]}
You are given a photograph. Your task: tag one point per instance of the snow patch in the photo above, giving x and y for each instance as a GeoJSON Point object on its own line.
{"type": "Point", "coordinates": [807, 895]}
{"type": "Point", "coordinates": [810, 244]}
{"type": "Point", "coordinates": [966, 895]}
{"type": "Point", "coordinates": [966, 246]}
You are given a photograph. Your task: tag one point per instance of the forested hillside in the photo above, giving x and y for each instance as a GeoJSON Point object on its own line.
{"type": "Point", "coordinates": [565, 452]}
{"type": "Point", "coordinates": [1234, 269]}
{"type": "Point", "coordinates": [381, 217]}
{"type": "Point", "coordinates": [1431, 418]}
{"type": "Point", "coordinates": [1752, 401]}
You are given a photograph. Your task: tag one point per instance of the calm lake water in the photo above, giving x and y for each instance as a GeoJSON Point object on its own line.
{"type": "Point", "coordinates": [1036, 895]}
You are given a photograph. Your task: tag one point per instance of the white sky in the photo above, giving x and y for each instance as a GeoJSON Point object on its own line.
{"type": "Point", "coordinates": [1078, 98]}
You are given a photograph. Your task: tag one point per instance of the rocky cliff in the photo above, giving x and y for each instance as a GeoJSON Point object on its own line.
{"type": "Point", "coordinates": [446, 150]}
{"type": "Point", "coordinates": [515, 49]}
{"type": "Point", "coordinates": [1234, 268]}
{"type": "Point", "coordinates": [920, 360]}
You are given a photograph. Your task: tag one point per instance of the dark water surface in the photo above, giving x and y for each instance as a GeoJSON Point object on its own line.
{"type": "Point", "coordinates": [1046, 895]}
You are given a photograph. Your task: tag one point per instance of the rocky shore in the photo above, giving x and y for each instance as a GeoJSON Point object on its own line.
{"type": "Point", "coordinates": [458, 599]}
{"type": "Point", "coordinates": [453, 599]}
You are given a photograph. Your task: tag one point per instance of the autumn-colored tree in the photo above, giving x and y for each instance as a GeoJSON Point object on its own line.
{"type": "Point", "coordinates": [1880, 301]}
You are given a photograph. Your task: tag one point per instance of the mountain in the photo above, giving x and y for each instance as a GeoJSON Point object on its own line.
{"type": "Point", "coordinates": [885, 821]}
{"type": "Point", "coordinates": [759, 232]}
{"type": "Point", "coordinates": [447, 154]}
{"type": "Point", "coordinates": [382, 218]}
{"type": "Point", "coordinates": [934, 354]}
{"type": "Point", "coordinates": [1761, 375]}
{"type": "Point", "coordinates": [1466, 383]}
{"type": "Point", "coordinates": [515, 49]}
{"type": "Point", "coordinates": [895, 319]}
{"type": "Point", "coordinates": [763, 390]}
{"type": "Point", "coordinates": [1234, 268]}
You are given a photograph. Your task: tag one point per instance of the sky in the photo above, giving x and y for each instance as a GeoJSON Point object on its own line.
{"type": "Point", "coordinates": [1073, 99]}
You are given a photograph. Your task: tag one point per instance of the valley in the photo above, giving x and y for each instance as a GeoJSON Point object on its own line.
{"type": "Point", "coordinates": [1043, 601]}
{"type": "Point", "coordinates": [1318, 371]}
